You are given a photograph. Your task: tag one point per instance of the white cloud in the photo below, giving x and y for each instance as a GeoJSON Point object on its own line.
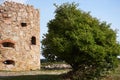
{"type": "Point", "coordinates": [18, 1]}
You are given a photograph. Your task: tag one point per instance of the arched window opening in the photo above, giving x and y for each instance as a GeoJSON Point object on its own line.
{"type": "Point", "coordinates": [8, 44]}
{"type": "Point", "coordinates": [9, 62]}
{"type": "Point", "coordinates": [33, 40]}
{"type": "Point", "coordinates": [23, 24]}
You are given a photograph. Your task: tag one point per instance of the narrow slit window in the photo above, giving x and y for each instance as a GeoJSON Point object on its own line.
{"type": "Point", "coordinates": [33, 40]}
{"type": "Point", "coordinates": [9, 62]}
{"type": "Point", "coordinates": [23, 24]}
{"type": "Point", "coordinates": [8, 44]}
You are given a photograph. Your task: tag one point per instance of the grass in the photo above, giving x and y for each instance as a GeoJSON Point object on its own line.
{"type": "Point", "coordinates": [33, 77]}
{"type": "Point", "coordinates": [36, 75]}
{"type": "Point", "coordinates": [114, 75]}
{"type": "Point", "coordinates": [45, 76]}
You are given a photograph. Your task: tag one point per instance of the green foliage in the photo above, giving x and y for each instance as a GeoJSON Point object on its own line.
{"type": "Point", "coordinates": [81, 40]}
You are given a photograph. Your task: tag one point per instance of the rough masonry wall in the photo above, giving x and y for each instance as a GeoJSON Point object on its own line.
{"type": "Point", "coordinates": [19, 37]}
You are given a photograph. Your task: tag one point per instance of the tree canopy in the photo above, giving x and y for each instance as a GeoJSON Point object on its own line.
{"type": "Point", "coordinates": [80, 39]}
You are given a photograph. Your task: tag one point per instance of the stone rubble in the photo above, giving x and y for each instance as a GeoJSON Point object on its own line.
{"type": "Point", "coordinates": [57, 66]}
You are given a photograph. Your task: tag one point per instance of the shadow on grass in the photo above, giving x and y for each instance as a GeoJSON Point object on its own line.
{"type": "Point", "coordinates": [32, 77]}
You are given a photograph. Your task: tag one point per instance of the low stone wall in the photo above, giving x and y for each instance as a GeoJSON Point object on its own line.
{"type": "Point", "coordinates": [57, 66]}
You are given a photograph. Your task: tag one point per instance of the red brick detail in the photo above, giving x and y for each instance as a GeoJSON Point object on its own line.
{"type": "Point", "coordinates": [7, 40]}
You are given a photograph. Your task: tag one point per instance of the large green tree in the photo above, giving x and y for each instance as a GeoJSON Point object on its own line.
{"type": "Point", "coordinates": [80, 40]}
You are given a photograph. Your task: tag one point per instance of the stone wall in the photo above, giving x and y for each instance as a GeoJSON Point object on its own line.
{"type": "Point", "coordinates": [19, 37]}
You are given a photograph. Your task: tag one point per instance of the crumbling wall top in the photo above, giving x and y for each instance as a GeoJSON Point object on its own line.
{"type": "Point", "coordinates": [15, 5]}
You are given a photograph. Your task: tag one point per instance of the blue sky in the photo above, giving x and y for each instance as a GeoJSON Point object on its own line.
{"type": "Point", "coordinates": [104, 10]}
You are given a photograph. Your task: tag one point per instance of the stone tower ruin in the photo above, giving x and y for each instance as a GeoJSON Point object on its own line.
{"type": "Point", "coordinates": [19, 37]}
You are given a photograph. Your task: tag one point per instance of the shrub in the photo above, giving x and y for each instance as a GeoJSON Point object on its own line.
{"type": "Point", "coordinates": [82, 41]}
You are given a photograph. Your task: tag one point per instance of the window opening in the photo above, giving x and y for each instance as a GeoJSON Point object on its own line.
{"type": "Point", "coordinates": [9, 62]}
{"type": "Point", "coordinates": [33, 40]}
{"type": "Point", "coordinates": [8, 44]}
{"type": "Point", "coordinates": [23, 24]}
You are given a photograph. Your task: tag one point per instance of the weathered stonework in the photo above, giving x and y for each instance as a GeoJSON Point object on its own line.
{"type": "Point", "coordinates": [19, 37]}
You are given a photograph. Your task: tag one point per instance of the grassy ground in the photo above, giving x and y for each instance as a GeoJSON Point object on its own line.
{"type": "Point", "coordinates": [33, 77]}
{"type": "Point", "coordinates": [49, 75]}
{"type": "Point", "coordinates": [114, 76]}
{"type": "Point", "coordinates": [43, 74]}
